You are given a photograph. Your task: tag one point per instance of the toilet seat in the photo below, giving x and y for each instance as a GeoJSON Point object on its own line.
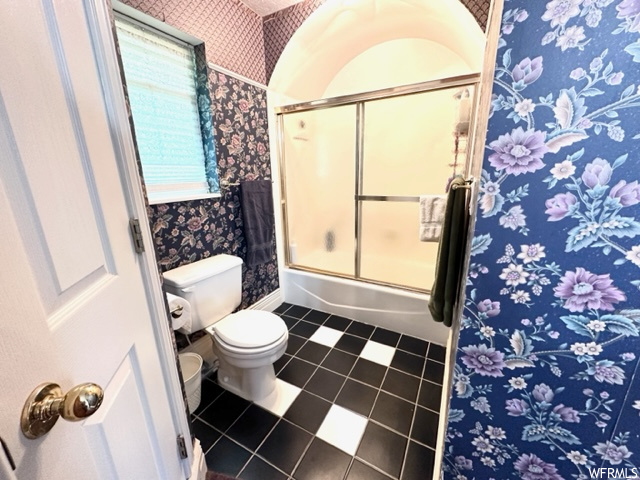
{"type": "Point", "coordinates": [249, 331]}
{"type": "Point", "coordinates": [249, 352]}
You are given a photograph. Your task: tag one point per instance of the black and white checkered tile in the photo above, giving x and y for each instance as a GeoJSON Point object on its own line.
{"type": "Point", "coordinates": [352, 402]}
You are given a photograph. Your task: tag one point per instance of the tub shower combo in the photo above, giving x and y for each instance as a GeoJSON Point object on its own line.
{"type": "Point", "coordinates": [352, 171]}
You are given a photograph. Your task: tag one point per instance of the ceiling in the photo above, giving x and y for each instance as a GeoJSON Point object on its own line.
{"type": "Point", "coordinates": [266, 7]}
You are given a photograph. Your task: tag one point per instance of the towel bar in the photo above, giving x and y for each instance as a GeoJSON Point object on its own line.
{"type": "Point", "coordinates": [227, 183]}
{"type": "Point", "coordinates": [388, 198]}
{"type": "Point", "coordinates": [467, 184]}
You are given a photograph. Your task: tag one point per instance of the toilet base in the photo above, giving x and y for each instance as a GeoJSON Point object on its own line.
{"type": "Point", "coordinates": [252, 384]}
{"type": "Point", "coordinates": [248, 375]}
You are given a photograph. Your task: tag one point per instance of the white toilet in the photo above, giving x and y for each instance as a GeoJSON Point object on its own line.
{"type": "Point", "coordinates": [247, 342]}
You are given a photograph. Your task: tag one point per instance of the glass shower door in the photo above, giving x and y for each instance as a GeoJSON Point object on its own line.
{"type": "Point", "coordinates": [412, 145]}
{"type": "Point", "coordinates": [354, 168]}
{"type": "Point", "coordinates": [319, 151]}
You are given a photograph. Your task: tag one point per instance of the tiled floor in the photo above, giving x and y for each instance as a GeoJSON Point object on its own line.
{"type": "Point", "coordinates": [352, 402]}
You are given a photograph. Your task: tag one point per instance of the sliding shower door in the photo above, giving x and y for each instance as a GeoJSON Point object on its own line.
{"type": "Point", "coordinates": [319, 148]}
{"type": "Point", "coordinates": [354, 169]}
{"type": "Point", "coordinates": [411, 147]}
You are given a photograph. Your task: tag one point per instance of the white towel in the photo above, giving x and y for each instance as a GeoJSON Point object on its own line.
{"type": "Point", "coordinates": [432, 209]}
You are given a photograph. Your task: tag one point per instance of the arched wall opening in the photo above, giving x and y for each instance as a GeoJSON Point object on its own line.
{"type": "Point", "coordinates": [350, 46]}
{"type": "Point", "coordinates": [347, 47]}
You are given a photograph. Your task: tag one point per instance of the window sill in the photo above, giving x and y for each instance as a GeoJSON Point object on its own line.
{"type": "Point", "coordinates": [182, 198]}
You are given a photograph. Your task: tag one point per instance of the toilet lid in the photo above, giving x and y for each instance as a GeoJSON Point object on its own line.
{"type": "Point", "coordinates": [250, 328]}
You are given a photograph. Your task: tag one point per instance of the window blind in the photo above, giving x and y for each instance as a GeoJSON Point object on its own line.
{"type": "Point", "coordinates": [161, 76]}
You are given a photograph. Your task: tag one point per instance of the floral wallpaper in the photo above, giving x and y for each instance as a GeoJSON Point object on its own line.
{"type": "Point", "coordinates": [545, 384]}
{"type": "Point", "coordinates": [185, 232]}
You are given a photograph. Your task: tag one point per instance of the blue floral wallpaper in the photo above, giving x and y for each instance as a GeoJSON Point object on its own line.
{"type": "Point", "coordinates": [544, 385]}
{"type": "Point", "coordinates": [185, 232]}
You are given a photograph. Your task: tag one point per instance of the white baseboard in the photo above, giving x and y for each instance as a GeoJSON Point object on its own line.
{"type": "Point", "coordinates": [270, 302]}
{"type": "Point", "coordinates": [198, 466]}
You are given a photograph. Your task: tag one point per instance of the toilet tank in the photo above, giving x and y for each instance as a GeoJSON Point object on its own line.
{"type": "Point", "coordinates": [213, 287]}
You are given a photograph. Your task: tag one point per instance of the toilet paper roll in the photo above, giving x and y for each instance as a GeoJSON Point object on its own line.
{"type": "Point", "coordinates": [180, 313]}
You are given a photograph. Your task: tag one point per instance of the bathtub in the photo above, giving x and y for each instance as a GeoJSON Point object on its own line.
{"type": "Point", "coordinates": [416, 273]}
{"type": "Point", "coordinates": [394, 309]}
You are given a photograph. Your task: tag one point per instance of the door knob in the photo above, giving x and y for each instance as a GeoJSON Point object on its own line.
{"type": "Point", "coordinates": [47, 403]}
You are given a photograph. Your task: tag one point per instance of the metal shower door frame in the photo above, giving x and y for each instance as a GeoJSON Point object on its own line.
{"type": "Point", "coordinates": [360, 100]}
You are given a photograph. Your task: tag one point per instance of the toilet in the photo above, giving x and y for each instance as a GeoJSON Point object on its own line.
{"type": "Point", "coordinates": [248, 342]}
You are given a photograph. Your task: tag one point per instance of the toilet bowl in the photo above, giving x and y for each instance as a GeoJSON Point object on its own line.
{"type": "Point", "coordinates": [248, 342]}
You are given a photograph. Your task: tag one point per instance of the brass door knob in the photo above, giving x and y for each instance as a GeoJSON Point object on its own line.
{"type": "Point", "coordinates": [47, 403]}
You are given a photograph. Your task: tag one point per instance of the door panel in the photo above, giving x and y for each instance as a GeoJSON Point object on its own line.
{"type": "Point", "coordinates": [124, 411]}
{"type": "Point", "coordinates": [72, 290]}
{"type": "Point", "coordinates": [72, 256]}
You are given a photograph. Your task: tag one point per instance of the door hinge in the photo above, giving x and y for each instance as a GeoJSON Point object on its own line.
{"type": "Point", "coordinates": [136, 234]}
{"type": "Point", "coordinates": [182, 447]}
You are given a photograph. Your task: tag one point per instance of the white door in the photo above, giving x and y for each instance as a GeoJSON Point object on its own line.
{"type": "Point", "coordinates": [74, 296]}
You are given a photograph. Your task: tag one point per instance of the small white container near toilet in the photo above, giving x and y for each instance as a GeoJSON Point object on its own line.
{"type": "Point", "coordinates": [248, 342]}
{"type": "Point", "coordinates": [191, 366]}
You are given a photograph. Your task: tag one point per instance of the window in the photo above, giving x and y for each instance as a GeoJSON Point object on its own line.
{"type": "Point", "coordinates": [161, 81]}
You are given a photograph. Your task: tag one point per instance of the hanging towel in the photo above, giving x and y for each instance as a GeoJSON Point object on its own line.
{"type": "Point", "coordinates": [451, 250]}
{"type": "Point", "coordinates": [432, 208]}
{"type": "Point", "coordinates": [257, 213]}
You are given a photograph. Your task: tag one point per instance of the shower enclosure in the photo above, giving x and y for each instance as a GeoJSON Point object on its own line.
{"type": "Point", "coordinates": [352, 171]}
